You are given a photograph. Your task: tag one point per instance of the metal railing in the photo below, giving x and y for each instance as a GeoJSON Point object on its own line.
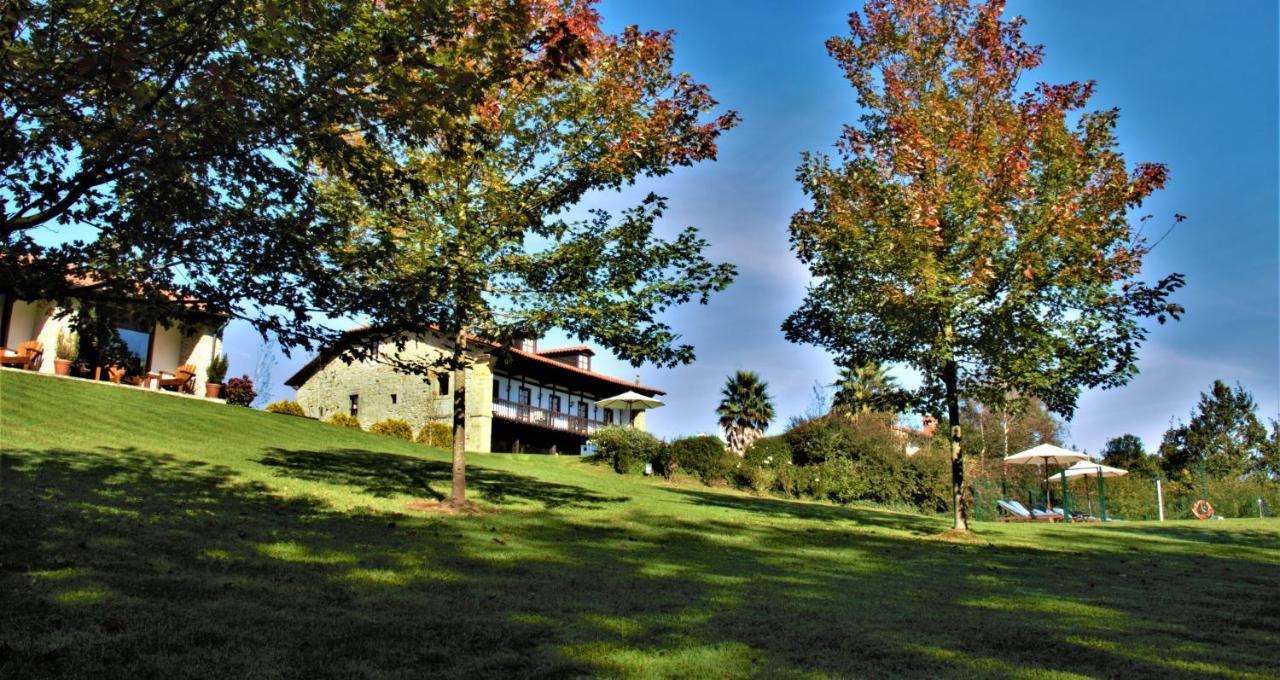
{"type": "Point", "coordinates": [534, 415]}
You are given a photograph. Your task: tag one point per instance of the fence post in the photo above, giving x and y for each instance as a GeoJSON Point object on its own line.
{"type": "Point", "coordinates": [1102, 495]}
{"type": "Point", "coordinates": [1066, 502]}
{"type": "Point", "coordinates": [1160, 498]}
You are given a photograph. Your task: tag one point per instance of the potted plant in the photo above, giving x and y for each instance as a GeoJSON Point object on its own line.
{"type": "Point", "coordinates": [68, 350]}
{"type": "Point", "coordinates": [215, 373]}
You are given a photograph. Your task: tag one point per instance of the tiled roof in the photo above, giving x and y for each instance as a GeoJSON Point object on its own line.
{"type": "Point", "coordinates": [561, 351]}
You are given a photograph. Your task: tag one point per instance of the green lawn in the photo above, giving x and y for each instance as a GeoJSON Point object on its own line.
{"type": "Point", "coordinates": [147, 536]}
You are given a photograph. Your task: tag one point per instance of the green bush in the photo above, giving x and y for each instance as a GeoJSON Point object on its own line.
{"type": "Point", "coordinates": [769, 451]}
{"type": "Point", "coordinates": [288, 408]}
{"type": "Point", "coordinates": [763, 465]}
{"type": "Point", "coordinates": [625, 448]}
{"type": "Point", "coordinates": [437, 434]}
{"type": "Point", "coordinates": [343, 420]}
{"type": "Point", "coordinates": [704, 457]}
{"type": "Point", "coordinates": [393, 427]}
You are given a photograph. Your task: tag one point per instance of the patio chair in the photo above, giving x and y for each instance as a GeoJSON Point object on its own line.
{"type": "Point", "coordinates": [1019, 513]}
{"type": "Point", "coordinates": [26, 357]}
{"type": "Point", "coordinates": [182, 380]}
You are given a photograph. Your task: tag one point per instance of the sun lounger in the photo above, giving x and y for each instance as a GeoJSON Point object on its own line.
{"type": "Point", "coordinates": [26, 357]}
{"type": "Point", "coordinates": [1019, 513]}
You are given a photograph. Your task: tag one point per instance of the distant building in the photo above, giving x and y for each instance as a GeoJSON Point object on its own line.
{"type": "Point", "coordinates": [523, 399]}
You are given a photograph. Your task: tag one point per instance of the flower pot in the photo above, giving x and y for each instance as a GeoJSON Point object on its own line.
{"type": "Point", "coordinates": [213, 390]}
{"type": "Point", "coordinates": [62, 366]}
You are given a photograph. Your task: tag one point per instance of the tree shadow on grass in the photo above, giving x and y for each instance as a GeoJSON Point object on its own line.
{"type": "Point", "coordinates": [778, 507]}
{"type": "Point", "coordinates": [387, 475]}
{"type": "Point", "coordinates": [126, 564]}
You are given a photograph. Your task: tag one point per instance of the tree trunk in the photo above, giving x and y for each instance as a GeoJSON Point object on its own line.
{"type": "Point", "coordinates": [950, 380]}
{"type": "Point", "coordinates": [458, 499]}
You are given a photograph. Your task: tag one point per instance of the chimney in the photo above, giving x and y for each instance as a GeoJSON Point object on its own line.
{"type": "Point", "coordinates": [637, 378]}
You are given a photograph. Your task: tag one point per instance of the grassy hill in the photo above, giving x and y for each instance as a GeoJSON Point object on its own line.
{"type": "Point", "coordinates": [148, 536]}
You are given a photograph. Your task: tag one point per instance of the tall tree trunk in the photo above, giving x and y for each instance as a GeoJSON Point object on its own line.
{"type": "Point", "coordinates": [950, 380]}
{"type": "Point", "coordinates": [458, 499]}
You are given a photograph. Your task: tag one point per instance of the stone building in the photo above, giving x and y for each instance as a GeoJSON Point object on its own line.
{"type": "Point", "coordinates": [518, 399]}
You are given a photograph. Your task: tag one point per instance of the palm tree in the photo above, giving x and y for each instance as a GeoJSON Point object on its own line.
{"type": "Point", "coordinates": [861, 389]}
{"type": "Point", "coordinates": [745, 411]}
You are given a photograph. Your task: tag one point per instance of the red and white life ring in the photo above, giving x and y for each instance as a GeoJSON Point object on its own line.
{"type": "Point", "coordinates": [1202, 509]}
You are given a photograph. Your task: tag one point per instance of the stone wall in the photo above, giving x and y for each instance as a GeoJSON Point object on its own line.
{"type": "Point", "coordinates": [383, 392]}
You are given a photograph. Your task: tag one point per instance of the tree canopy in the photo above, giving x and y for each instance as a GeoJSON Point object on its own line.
{"type": "Point", "coordinates": [1127, 453]}
{"type": "Point", "coordinates": [1224, 437]}
{"type": "Point", "coordinates": [471, 236]}
{"type": "Point", "coordinates": [169, 148]}
{"type": "Point", "coordinates": [973, 225]}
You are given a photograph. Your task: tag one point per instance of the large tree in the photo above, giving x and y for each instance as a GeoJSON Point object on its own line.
{"type": "Point", "coordinates": [1127, 453]}
{"type": "Point", "coordinates": [155, 149]}
{"type": "Point", "coordinates": [745, 410]}
{"type": "Point", "coordinates": [1224, 437]}
{"type": "Point", "coordinates": [973, 225]}
{"type": "Point", "coordinates": [472, 242]}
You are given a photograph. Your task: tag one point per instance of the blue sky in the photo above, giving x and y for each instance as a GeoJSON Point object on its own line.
{"type": "Point", "coordinates": [1196, 83]}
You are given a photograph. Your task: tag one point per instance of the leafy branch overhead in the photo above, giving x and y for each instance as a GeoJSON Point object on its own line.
{"type": "Point", "coordinates": [171, 148]}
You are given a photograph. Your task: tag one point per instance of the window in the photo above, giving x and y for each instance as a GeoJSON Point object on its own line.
{"type": "Point", "coordinates": [584, 362]}
{"type": "Point", "coordinates": [608, 416]}
{"type": "Point", "coordinates": [526, 396]}
{"type": "Point", "coordinates": [355, 405]}
{"type": "Point", "coordinates": [393, 398]}
{"type": "Point", "coordinates": [495, 390]}
{"type": "Point", "coordinates": [442, 384]}
{"type": "Point", "coordinates": [555, 403]}
{"type": "Point", "coordinates": [582, 410]}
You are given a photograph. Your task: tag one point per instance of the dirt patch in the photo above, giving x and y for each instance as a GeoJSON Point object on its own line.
{"type": "Point", "coordinates": [442, 508]}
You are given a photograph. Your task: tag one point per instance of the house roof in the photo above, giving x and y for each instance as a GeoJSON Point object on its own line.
{"type": "Point", "coordinates": [547, 365]}
{"type": "Point", "coordinates": [563, 351]}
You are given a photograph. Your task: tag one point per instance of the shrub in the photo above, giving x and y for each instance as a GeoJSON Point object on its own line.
{"type": "Point", "coordinates": [217, 369]}
{"type": "Point", "coordinates": [625, 448]}
{"type": "Point", "coordinates": [769, 451]}
{"type": "Point", "coordinates": [762, 465]}
{"type": "Point", "coordinates": [705, 457]}
{"type": "Point", "coordinates": [68, 346]}
{"type": "Point", "coordinates": [437, 434]}
{"type": "Point", "coordinates": [393, 427]}
{"type": "Point", "coordinates": [239, 391]}
{"type": "Point", "coordinates": [343, 420]}
{"type": "Point", "coordinates": [288, 408]}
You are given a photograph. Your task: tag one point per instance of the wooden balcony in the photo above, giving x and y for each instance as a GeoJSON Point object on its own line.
{"type": "Point", "coordinates": [541, 417]}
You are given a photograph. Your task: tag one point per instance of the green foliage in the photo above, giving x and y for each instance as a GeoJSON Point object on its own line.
{"type": "Point", "coordinates": [970, 227]}
{"type": "Point", "coordinates": [435, 434]}
{"type": "Point", "coordinates": [864, 388]}
{"type": "Point", "coordinates": [704, 457]}
{"type": "Point", "coordinates": [68, 346]}
{"type": "Point", "coordinates": [217, 368]}
{"type": "Point", "coordinates": [1224, 436]}
{"type": "Point", "coordinates": [1127, 453]}
{"type": "Point", "coordinates": [768, 451]}
{"type": "Point", "coordinates": [239, 391]}
{"type": "Point", "coordinates": [627, 449]}
{"type": "Point", "coordinates": [149, 124]}
{"type": "Point", "coordinates": [289, 408]}
{"type": "Point", "coordinates": [393, 427]}
{"type": "Point", "coordinates": [343, 420]}
{"type": "Point", "coordinates": [745, 410]}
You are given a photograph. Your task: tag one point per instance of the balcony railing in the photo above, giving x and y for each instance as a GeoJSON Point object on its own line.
{"type": "Point", "coordinates": [564, 422]}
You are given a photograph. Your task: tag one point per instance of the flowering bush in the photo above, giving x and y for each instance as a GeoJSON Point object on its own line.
{"type": "Point", "coordinates": [343, 420]}
{"type": "Point", "coordinates": [239, 391]}
{"type": "Point", "coordinates": [288, 408]}
{"type": "Point", "coordinates": [393, 427]}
